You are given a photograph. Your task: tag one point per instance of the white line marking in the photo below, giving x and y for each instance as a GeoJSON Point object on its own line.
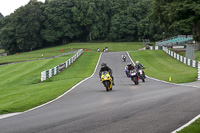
{"type": "Point", "coordinates": [13, 114]}
{"type": "Point", "coordinates": [187, 124]}
{"type": "Point", "coordinates": [8, 115]}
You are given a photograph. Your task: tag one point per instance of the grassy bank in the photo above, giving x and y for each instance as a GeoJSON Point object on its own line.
{"type": "Point", "coordinates": [20, 85]}
{"type": "Point", "coordinates": [2, 50]}
{"type": "Point", "coordinates": [53, 51]}
{"type": "Point", "coordinates": [161, 66]}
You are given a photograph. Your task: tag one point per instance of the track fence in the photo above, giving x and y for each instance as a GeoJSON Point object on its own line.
{"type": "Point", "coordinates": [187, 61]}
{"type": "Point", "coordinates": [57, 69]}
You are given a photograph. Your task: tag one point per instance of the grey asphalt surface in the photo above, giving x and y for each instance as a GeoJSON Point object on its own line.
{"type": "Point", "coordinates": [150, 107]}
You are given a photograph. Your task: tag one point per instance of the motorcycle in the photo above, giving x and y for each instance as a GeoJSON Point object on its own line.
{"type": "Point", "coordinates": [124, 57]}
{"type": "Point", "coordinates": [141, 74]}
{"type": "Point", "coordinates": [106, 80]}
{"type": "Point", "coordinates": [134, 76]}
{"type": "Point", "coordinates": [106, 49]}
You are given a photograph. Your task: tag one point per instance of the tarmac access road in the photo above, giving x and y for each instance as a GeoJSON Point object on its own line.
{"type": "Point", "coordinates": [150, 107]}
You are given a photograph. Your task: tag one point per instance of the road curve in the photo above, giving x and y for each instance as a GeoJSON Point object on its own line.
{"type": "Point", "coordinates": [150, 107]}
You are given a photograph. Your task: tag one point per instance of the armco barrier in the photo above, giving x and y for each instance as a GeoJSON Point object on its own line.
{"type": "Point", "coordinates": [57, 69]}
{"type": "Point", "coordinates": [187, 61]}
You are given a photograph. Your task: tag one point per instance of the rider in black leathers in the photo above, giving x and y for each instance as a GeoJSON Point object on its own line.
{"type": "Point", "coordinates": [139, 65]}
{"type": "Point", "coordinates": [130, 66]}
{"type": "Point", "coordinates": [104, 67]}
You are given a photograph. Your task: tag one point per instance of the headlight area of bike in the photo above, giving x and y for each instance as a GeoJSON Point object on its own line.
{"type": "Point", "coordinates": [105, 77]}
{"type": "Point", "coordinates": [132, 74]}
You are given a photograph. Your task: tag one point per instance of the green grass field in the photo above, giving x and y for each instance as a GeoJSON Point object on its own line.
{"type": "Point", "coordinates": [2, 50]}
{"type": "Point", "coordinates": [20, 83]}
{"type": "Point", "coordinates": [53, 51]}
{"type": "Point", "coordinates": [161, 66]}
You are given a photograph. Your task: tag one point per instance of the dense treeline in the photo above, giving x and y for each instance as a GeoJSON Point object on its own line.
{"type": "Point", "coordinates": [38, 24]}
{"type": "Point", "coordinates": [182, 16]}
{"type": "Point", "coordinates": [1, 16]}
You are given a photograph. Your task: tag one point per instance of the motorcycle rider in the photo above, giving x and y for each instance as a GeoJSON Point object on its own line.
{"type": "Point", "coordinates": [139, 66]}
{"type": "Point", "coordinates": [130, 66]}
{"type": "Point", "coordinates": [104, 67]}
{"type": "Point", "coordinates": [124, 58]}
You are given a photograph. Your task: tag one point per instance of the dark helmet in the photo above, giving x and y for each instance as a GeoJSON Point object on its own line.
{"type": "Point", "coordinates": [129, 64]}
{"type": "Point", "coordinates": [103, 64]}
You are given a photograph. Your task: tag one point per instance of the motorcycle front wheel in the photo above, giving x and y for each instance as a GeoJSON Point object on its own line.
{"type": "Point", "coordinates": [107, 85]}
{"type": "Point", "coordinates": [142, 77]}
{"type": "Point", "coordinates": [135, 80]}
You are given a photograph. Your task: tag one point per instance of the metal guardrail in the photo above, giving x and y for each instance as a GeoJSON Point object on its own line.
{"type": "Point", "coordinates": [57, 69]}
{"type": "Point", "coordinates": [187, 61]}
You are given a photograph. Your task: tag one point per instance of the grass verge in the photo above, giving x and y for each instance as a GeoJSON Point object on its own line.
{"type": "Point", "coordinates": [161, 66]}
{"type": "Point", "coordinates": [20, 88]}
{"type": "Point", "coordinates": [192, 128]}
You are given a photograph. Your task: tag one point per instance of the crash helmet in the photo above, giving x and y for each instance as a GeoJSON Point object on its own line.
{"type": "Point", "coordinates": [103, 64]}
{"type": "Point", "coordinates": [129, 64]}
{"type": "Point", "coordinates": [137, 62]}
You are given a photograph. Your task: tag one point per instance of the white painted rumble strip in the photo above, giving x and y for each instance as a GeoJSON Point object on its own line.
{"type": "Point", "coordinates": [13, 114]}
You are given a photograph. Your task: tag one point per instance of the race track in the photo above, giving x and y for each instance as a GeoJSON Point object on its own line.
{"type": "Point", "coordinates": [150, 107]}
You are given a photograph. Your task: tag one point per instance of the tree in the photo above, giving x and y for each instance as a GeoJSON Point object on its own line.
{"type": "Point", "coordinates": [7, 36]}
{"type": "Point", "coordinates": [59, 24]}
{"type": "Point", "coordinates": [21, 30]}
{"type": "Point", "coordinates": [180, 15]}
{"type": "Point", "coordinates": [1, 16]}
{"type": "Point", "coordinates": [28, 22]}
{"type": "Point", "coordinates": [84, 14]}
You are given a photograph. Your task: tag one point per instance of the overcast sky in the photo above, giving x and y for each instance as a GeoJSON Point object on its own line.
{"type": "Point", "coordinates": [9, 6]}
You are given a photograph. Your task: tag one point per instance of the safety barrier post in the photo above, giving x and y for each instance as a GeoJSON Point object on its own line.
{"type": "Point", "coordinates": [43, 75]}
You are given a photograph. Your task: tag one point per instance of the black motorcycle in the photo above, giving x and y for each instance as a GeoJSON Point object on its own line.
{"type": "Point", "coordinates": [134, 76]}
{"type": "Point", "coordinates": [124, 58]}
{"type": "Point", "coordinates": [141, 74]}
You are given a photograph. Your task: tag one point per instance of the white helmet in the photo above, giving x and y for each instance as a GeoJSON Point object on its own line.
{"type": "Point", "coordinates": [137, 62]}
